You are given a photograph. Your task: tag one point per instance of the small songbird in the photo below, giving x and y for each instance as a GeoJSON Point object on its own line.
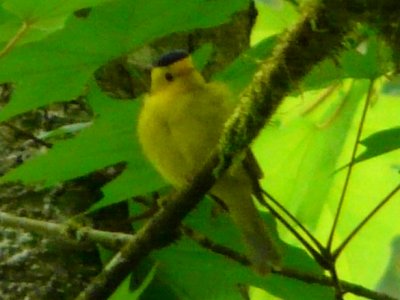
{"type": "Point", "coordinates": [180, 124]}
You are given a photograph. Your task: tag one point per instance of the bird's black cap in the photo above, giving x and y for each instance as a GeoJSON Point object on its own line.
{"type": "Point", "coordinates": [171, 57]}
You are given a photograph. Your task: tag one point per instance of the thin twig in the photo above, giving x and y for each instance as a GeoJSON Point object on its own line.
{"type": "Point", "coordinates": [326, 123]}
{"type": "Point", "coordinates": [327, 281]}
{"type": "Point", "coordinates": [317, 256]}
{"type": "Point", "coordinates": [294, 219]}
{"type": "Point", "coordinates": [207, 243]}
{"type": "Point", "coordinates": [321, 99]}
{"type": "Point", "coordinates": [349, 170]}
{"type": "Point", "coordinates": [66, 232]}
{"type": "Point", "coordinates": [385, 200]}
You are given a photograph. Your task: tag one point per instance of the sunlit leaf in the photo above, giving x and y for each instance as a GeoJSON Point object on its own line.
{"type": "Point", "coordinates": [304, 154]}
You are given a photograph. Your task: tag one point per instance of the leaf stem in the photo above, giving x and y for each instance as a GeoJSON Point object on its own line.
{"type": "Point", "coordinates": [318, 257]}
{"type": "Point", "coordinates": [385, 200]}
{"type": "Point", "coordinates": [349, 170]}
{"type": "Point", "coordinates": [293, 218]}
{"type": "Point", "coordinates": [320, 100]}
{"type": "Point", "coordinates": [14, 40]}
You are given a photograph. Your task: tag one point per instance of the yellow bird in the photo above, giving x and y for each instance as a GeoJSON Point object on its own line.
{"type": "Point", "coordinates": [180, 124]}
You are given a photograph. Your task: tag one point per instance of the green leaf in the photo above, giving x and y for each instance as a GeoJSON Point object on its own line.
{"type": "Point", "coordinates": [369, 60]}
{"type": "Point", "coordinates": [380, 143]}
{"type": "Point", "coordinates": [110, 140]}
{"type": "Point", "coordinates": [302, 155]}
{"type": "Point", "coordinates": [38, 19]}
{"type": "Point", "coordinates": [41, 10]}
{"type": "Point", "coordinates": [138, 178]}
{"type": "Point", "coordinates": [273, 18]}
{"type": "Point", "coordinates": [67, 59]}
{"type": "Point", "coordinates": [239, 74]}
{"type": "Point", "coordinates": [322, 75]}
{"type": "Point", "coordinates": [124, 291]}
{"type": "Point", "coordinates": [201, 56]}
{"type": "Point", "coordinates": [9, 25]}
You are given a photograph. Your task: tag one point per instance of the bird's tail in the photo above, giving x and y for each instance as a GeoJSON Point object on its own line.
{"type": "Point", "coordinates": [261, 248]}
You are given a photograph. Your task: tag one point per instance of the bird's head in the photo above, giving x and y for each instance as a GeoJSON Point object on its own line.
{"type": "Point", "coordinates": [175, 70]}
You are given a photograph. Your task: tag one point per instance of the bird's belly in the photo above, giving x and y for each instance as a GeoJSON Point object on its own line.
{"type": "Point", "coordinates": [158, 145]}
{"type": "Point", "coordinates": [178, 135]}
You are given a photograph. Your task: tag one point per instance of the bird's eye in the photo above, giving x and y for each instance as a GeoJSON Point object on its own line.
{"type": "Point", "coordinates": [169, 77]}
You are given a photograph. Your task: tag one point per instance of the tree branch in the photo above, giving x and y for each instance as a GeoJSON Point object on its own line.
{"type": "Point", "coordinates": [66, 232]}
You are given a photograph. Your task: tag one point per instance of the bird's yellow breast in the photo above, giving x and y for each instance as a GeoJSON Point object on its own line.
{"type": "Point", "coordinates": [180, 126]}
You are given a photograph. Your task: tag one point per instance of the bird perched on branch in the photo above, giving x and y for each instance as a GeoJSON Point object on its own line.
{"type": "Point", "coordinates": [180, 124]}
